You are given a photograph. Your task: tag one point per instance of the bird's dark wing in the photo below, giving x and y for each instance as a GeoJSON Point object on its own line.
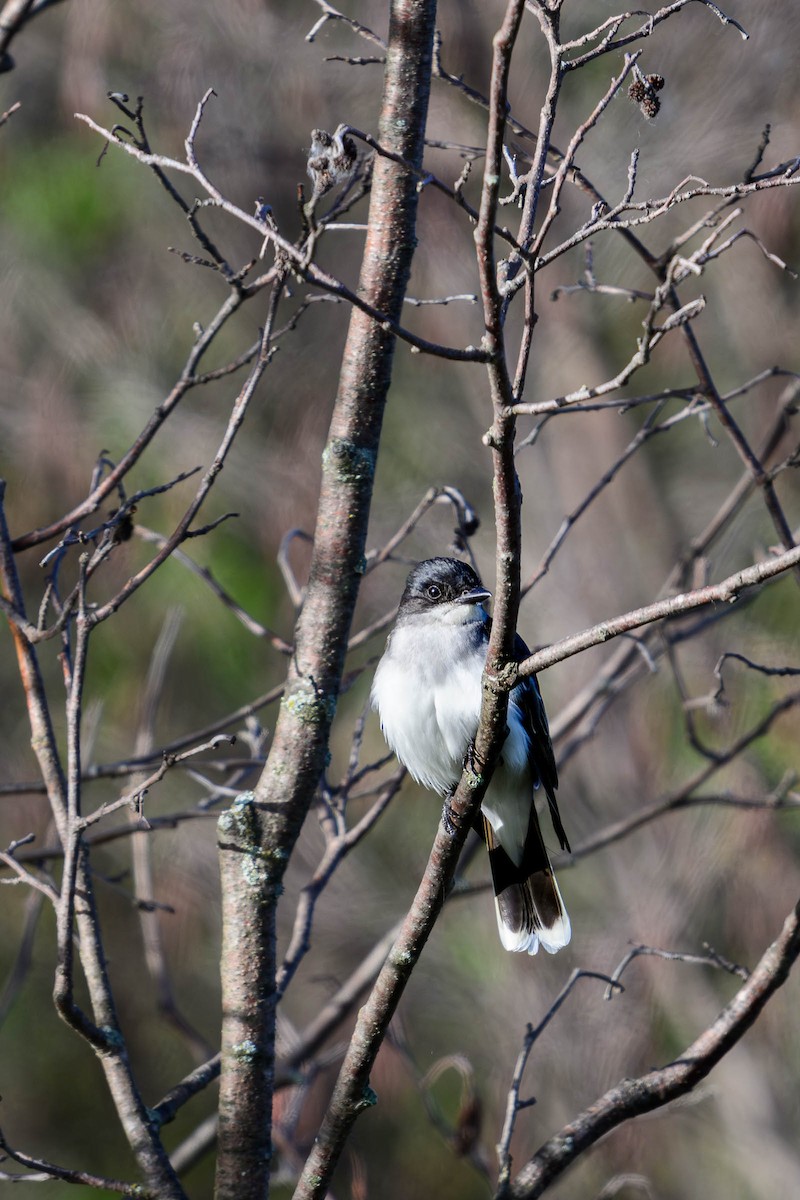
{"type": "Point", "coordinates": [528, 698]}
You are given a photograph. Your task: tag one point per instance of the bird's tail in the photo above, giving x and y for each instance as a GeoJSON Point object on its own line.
{"type": "Point", "coordinates": [530, 911]}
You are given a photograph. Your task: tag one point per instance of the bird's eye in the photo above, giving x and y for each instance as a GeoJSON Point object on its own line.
{"type": "Point", "coordinates": [434, 591]}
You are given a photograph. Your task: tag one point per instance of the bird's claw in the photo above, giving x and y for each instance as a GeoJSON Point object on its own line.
{"type": "Point", "coordinates": [471, 763]}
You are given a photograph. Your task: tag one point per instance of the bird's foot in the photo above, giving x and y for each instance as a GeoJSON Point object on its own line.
{"type": "Point", "coordinates": [447, 815]}
{"type": "Point", "coordinates": [472, 764]}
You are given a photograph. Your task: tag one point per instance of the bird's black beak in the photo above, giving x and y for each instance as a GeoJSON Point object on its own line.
{"type": "Point", "coordinates": [474, 596]}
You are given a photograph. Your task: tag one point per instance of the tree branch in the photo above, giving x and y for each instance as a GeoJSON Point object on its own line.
{"type": "Point", "coordinates": [632, 1097]}
{"type": "Point", "coordinates": [299, 748]}
{"type": "Point", "coordinates": [673, 606]}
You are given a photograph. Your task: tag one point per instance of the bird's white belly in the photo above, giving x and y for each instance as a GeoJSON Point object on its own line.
{"type": "Point", "coordinates": [429, 719]}
{"type": "Point", "coordinates": [430, 706]}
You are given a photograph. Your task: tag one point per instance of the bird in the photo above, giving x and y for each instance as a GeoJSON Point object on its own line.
{"type": "Point", "coordinates": [427, 691]}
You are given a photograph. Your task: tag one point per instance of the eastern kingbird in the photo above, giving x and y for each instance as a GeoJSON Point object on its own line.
{"type": "Point", "coordinates": [427, 691]}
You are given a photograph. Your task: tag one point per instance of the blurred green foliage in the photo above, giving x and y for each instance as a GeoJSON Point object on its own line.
{"type": "Point", "coordinates": [61, 211]}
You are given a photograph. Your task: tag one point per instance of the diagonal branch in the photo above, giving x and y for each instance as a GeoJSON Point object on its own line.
{"type": "Point", "coordinates": [673, 606]}
{"type": "Point", "coordinates": [632, 1097]}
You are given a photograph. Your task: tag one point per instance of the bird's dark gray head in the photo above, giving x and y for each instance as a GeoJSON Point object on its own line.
{"type": "Point", "coordinates": [442, 585]}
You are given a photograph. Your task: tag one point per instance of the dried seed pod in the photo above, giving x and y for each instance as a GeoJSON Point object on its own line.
{"type": "Point", "coordinates": [642, 91]}
{"type": "Point", "coordinates": [650, 106]}
{"type": "Point", "coordinates": [637, 91]}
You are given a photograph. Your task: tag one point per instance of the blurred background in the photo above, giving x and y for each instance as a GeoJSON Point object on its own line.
{"type": "Point", "coordinates": [96, 323]}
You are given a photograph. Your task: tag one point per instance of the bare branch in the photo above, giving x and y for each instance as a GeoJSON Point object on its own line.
{"type": "Point", "coordinates": [649, 430]}
{"type": "Point", "coordinates": [22, 875]}
{"type": "Point", "coordinates": [727, 591]}
{"type": "Point", "coordinates": [63, 791]}
{"type": "Point", "coordinates": [6, 116]}
{"type": "Point", "coordinates": [560, 177]}
{"type": "Point", "coordinates": [709, 959]}
{"type": "Point", "coordinates": [109, 483]}
{"type": "Point", "coordinates": [336, 849]}
{"type": "Point", "coordinates": [633, 1097]}
{"type": "Point", "coordinates": [685, 797]}
{"type": "Point", "coordinates": [249, 622]}
{"type": "Point", "coordinates": [48, 1171]}
{"type": "Point", "coordinates": [297, 257]}
{"type": "Point", "coordinates": [514, 1105]}
{"type": "Point", "coordinates": [329, 13]}
{"type": "Point", "coordinates": [352, 1094]}
{"type": "Point", "coordinates": [263, 834]}
{"type": "Point", "coordinates": [608, 30]}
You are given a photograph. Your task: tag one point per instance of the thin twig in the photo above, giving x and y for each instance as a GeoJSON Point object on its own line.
{"type": "Point", "coordinates": [514, 1105]}
{"type": "Point", "coordinates": [709, 959]}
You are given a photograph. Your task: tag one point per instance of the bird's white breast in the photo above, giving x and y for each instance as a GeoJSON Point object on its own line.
{"type": "Point", "coordinates": [428, 694]}
{"type": "Point", "coordinates": [427, 691]}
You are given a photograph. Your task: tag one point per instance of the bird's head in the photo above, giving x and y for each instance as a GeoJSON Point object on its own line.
{"type": "Point", "coordinates": [444, 589]}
